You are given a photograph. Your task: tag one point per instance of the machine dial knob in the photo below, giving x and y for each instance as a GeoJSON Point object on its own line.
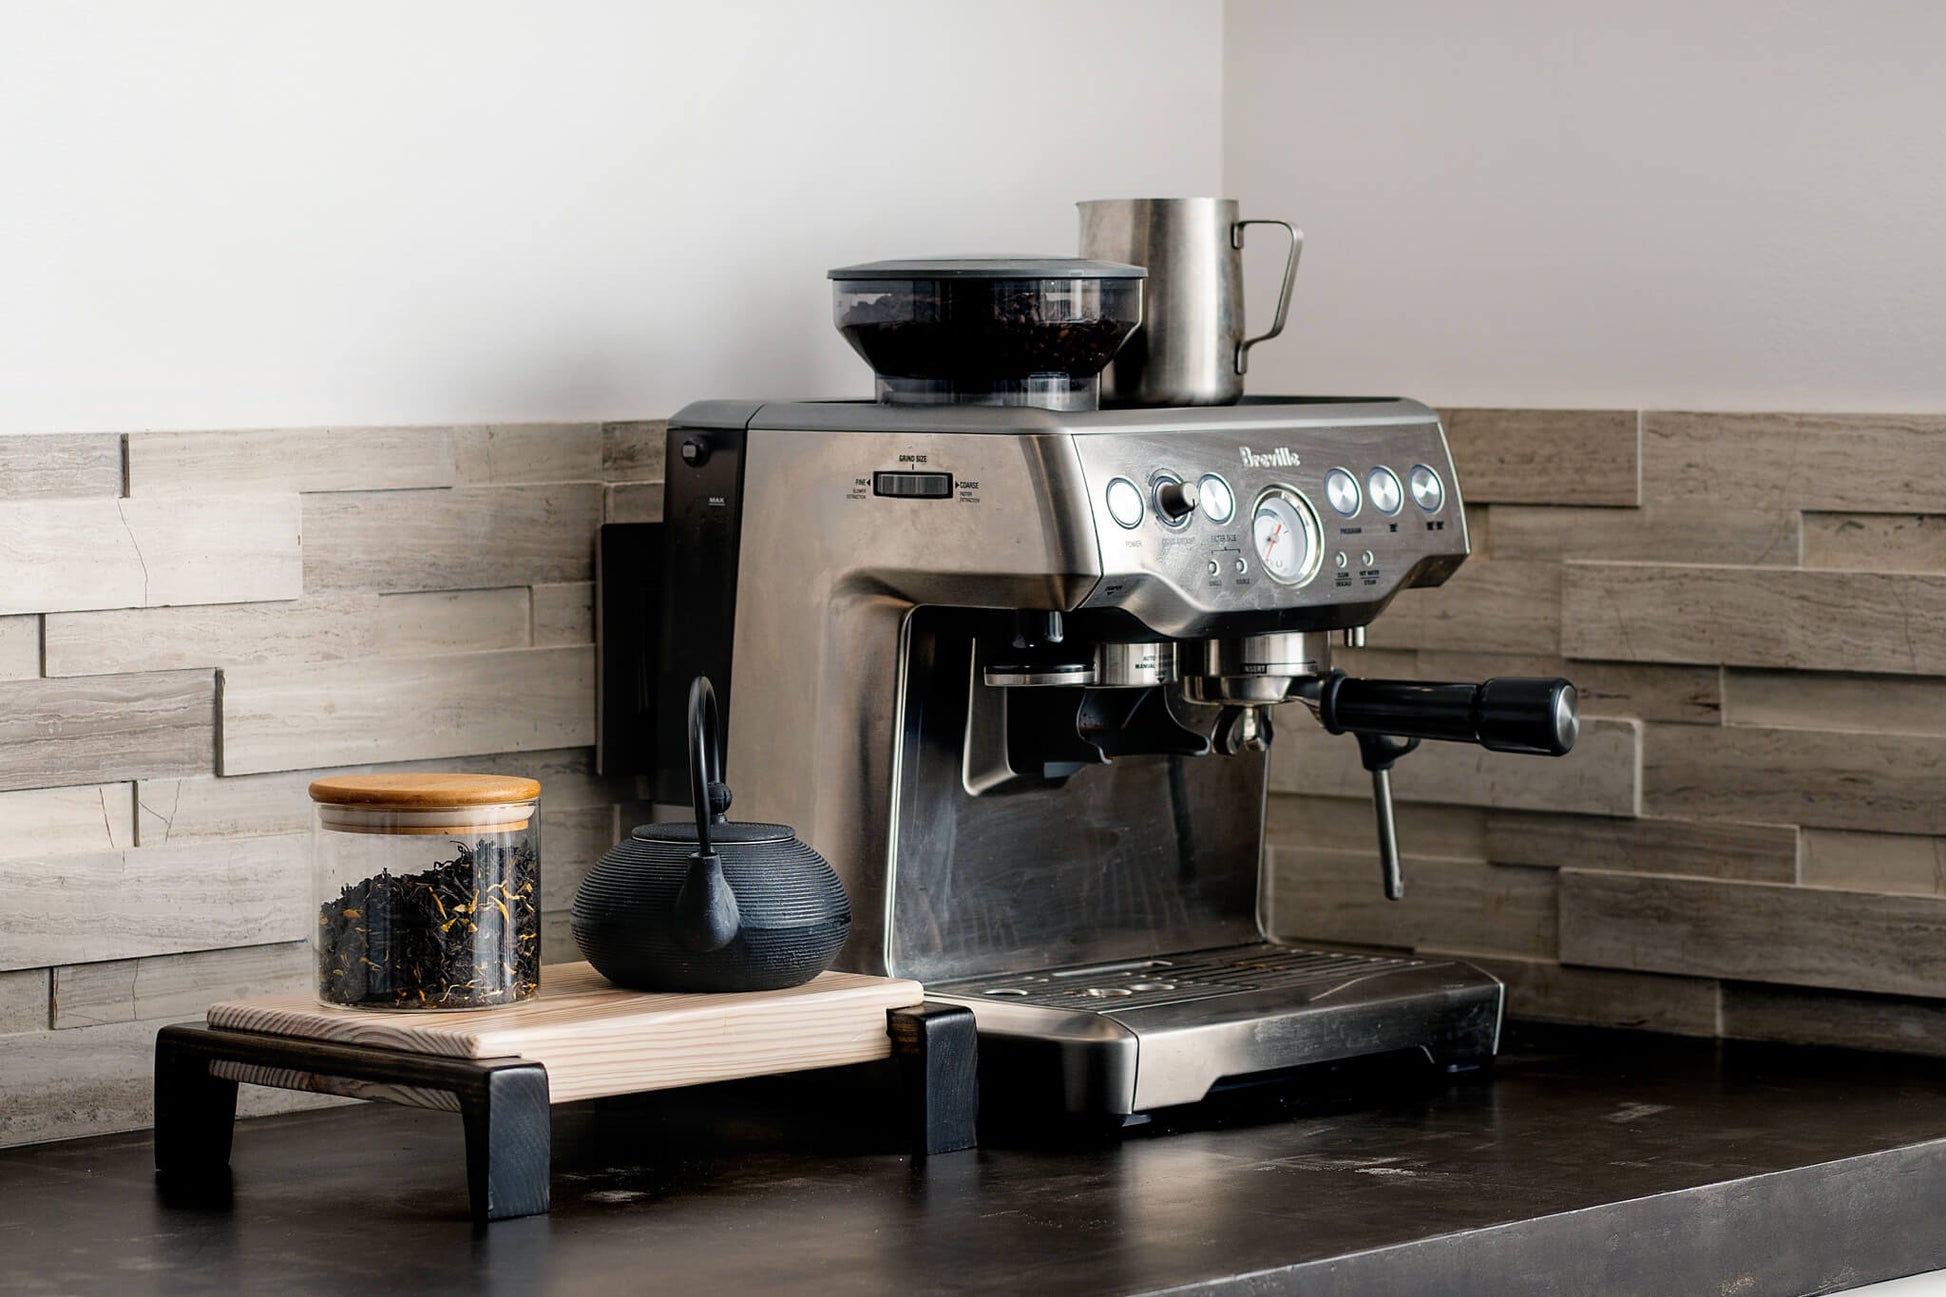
{"type": "Point", "coordinates": [1175, 500]}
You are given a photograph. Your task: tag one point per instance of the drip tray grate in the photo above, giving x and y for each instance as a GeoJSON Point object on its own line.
{"type": "Point", "coordinates": [1170, 978]}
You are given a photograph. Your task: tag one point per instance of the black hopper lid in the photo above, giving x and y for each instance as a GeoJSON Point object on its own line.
{"type": "Point", "coordinates": [990, 268]}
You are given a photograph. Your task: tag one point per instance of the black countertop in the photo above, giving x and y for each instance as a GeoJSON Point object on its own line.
{"type": "Point", "coordinates": [1584, 1162]}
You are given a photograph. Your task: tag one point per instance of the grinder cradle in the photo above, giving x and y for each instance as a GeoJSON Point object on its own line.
{"type": "Point", "coordinates": [578, 1038]}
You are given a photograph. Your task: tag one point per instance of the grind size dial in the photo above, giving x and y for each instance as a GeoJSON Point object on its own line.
{"type": "Point", "coordinates": [1285, 529]}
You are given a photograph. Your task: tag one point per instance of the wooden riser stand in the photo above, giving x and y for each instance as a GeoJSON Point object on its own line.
{"type": "Point", "coordinates": [579, 1038]}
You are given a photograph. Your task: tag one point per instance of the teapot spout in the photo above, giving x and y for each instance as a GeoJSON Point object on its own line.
{"type": "Point", "coordinates": [706, 916]}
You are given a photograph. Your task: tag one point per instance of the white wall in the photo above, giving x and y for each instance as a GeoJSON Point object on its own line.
{"type": "Point", "coordinates": [228, 213]}
{"type": "Point", "coordinates": [1732, 205]}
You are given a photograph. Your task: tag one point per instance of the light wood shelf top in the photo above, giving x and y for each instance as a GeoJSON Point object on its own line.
{"type": "Point", "coordinates": [598, 1039]}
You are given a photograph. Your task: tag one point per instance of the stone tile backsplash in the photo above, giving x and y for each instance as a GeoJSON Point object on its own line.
{"type": "Point", "coordinates": [193, 626]}
{"type": "Point", "coordinates": [1750, 838]}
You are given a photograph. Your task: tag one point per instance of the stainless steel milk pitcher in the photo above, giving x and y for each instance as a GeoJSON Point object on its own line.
{"type": "Point", "coordinates": [1190, 349]}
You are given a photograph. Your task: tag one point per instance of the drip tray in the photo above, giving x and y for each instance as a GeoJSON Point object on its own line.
{"type": "Point", "coordinates": [1132, 1035]}
{"type": "Point", "coordinates": [1170, 978]}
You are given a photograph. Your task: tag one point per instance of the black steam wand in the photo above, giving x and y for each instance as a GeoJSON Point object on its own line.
{"type": "Point", "coordinates": [1537, 717]}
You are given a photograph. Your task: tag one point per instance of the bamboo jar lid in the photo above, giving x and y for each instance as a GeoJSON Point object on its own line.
{"type": "Point", "coordinates": [424, 791]}
{"type": "Point", "coordinates": [425, 803]}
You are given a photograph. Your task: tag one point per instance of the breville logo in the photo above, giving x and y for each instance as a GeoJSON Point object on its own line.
{"type": "Point", "coordinates": [1279, 458]}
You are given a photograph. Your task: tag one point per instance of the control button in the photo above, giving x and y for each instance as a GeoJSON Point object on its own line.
{"type": "Point", "coordinates": [1215, 568]}
{"type": "Point", "coordinates": [1243, 567]}
{"type": "Point", "coordinates": [1175, 499]}
{"type": "Point", "coordinates": [695, 453]}
{"type": "Point", "coordinates": [913, 486]}
{"type": "Point", "coordinates": [1341, 559]}
{"type": "Point", "coordinates": [1382, 487]}
{"type": "Point", "coordinates": [1125, 502]}
{"type": "Point", "coordinates": [1368, 558]}
{"type": "Point", "coordinates": [1215, 499]}
{"type": "Point", "coordinates": [1428, 492]}
{"type": "Point", "coordinates": [1341, 488]}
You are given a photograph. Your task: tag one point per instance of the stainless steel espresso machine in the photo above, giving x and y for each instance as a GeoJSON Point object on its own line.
{"type": "Point", "coordinates": [1015, 670]}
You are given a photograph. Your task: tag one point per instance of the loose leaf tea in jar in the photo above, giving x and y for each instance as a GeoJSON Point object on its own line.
{"type": "Point", "coordinates": [428, 890]}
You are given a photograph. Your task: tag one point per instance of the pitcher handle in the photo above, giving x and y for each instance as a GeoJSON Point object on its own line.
{"type": "Point", "coordinates": [1283, 294]}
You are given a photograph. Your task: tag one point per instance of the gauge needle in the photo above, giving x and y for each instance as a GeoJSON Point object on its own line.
{"type": "Point", "coordinates": [1274, 537]}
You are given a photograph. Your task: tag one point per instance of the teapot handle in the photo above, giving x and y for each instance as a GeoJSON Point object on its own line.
{"type": "Point", "coordinates": [708, 794]}
{"type": "Point", "coordinates": [707, 915]}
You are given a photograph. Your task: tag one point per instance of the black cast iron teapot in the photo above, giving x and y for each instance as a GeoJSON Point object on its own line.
{"type": "Point", "coordinates": [710, 906]}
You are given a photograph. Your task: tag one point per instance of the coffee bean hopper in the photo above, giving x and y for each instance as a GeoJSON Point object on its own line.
{"type": "Point", "coordinates": [989, 330]}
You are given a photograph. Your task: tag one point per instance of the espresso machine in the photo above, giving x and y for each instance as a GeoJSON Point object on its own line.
{"type": "Point", "coordinates": [1014, 669]}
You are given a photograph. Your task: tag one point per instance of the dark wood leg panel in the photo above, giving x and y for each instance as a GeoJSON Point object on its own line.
{"type": "Point", "coordinates": [195, 1112]}
{"type": "Point", "coordinates": [508, 1144]}
{"type": "Point", "coordinates": [504, 1102]}
{"type": "Point", "coordinates": [936, 1046]}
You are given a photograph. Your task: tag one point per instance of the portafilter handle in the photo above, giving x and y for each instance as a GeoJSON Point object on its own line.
{"type": "Point", "coordinates": [1517, 714]}
{"type": "Point", "coordinates": [1510, 714]}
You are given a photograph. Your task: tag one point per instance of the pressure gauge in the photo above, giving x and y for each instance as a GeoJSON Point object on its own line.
{"type": "Point", "coordinates": [1285, 529]}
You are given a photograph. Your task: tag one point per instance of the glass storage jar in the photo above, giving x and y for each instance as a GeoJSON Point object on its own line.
{"type": "Point", "coordinates": [428, 890]}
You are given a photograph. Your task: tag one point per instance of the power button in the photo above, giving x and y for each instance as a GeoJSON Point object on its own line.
{"type": "Point", "coordinates": [1125, 503]}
